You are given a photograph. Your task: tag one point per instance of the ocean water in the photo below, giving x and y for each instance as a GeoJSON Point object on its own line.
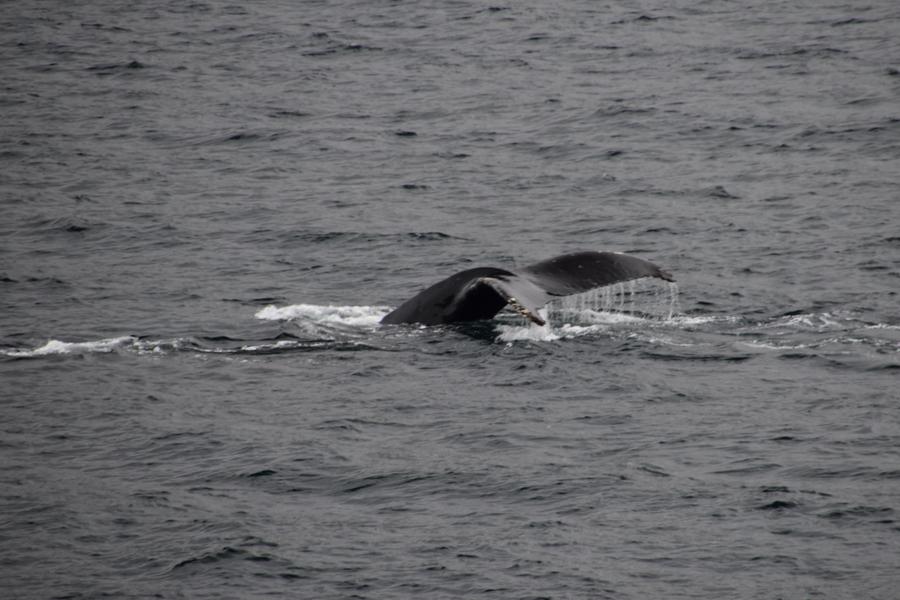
{"type": "Point", "coordinates": [208, 207]}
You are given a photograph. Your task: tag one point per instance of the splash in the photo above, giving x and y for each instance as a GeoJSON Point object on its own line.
{"type": "Point", "coordinates": [354, 316]}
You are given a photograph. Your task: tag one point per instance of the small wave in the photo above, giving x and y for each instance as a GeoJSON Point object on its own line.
{"type": "Point", "coordinates": [228, 346]}
{"type": "Point", "coordinates": [839, 339]}
{"type": "Point", "coordinates": [848, 326]}
{"type": "Point", "coordinates": [354, 316]}
{"type": "Point", "coordinates": [813, 321]}
{"type": "Point", "coordinates": [364, 237]}
{"type": "Point", "coordinates": [110, 68]}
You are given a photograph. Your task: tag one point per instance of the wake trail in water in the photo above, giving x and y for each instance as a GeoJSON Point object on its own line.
{"type": "Point", "coordinates": [648, 314]}
{"type": "Point", "coordinates": [309, 327]}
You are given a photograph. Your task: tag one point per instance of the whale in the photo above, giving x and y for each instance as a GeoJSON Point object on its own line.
{"type": "Point", "coordinates": [480, 293]}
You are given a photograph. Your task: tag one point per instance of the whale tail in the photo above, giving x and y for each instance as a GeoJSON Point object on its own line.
{"type": "Point", "coordinates": [482, 292]}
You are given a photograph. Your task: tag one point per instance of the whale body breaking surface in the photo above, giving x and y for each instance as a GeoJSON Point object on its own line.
{"type": "Point", "coordinates": [482, 292]}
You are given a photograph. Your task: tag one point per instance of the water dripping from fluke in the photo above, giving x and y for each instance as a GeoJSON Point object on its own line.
{"type": "Point", "coordinates": [641, 299]}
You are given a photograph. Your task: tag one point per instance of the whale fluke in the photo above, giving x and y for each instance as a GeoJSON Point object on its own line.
{"type": "Point", "coordinates": [481, 293]}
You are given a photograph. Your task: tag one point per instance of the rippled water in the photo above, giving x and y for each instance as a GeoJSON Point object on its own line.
{"type": "Point", "coordinates": [208, 207]}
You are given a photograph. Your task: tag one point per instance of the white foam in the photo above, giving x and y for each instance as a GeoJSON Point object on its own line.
{"type": "Point", "coordinates": [258, 347]}
{"type": "Point", "coordinates": [529, 333]}
{"type": "Point", "coordinates": [757, 345]}
{"type": "Point", "coordinates": [160, 346]}
{"type": "Point", "coordinates": [693, 321]}
{"type": "Point", "coordinates": [811, 321]}
{"type": "Point", "coordinates": [59, 347]}
{"type": "Point", "coordinates": [588, 322]}
{"type": "Point", "coordinates": [596, 317]}
{"type": "Point", "coordinates": [356, 316]}
{"type": "Point", "coordinates": [564, 331]}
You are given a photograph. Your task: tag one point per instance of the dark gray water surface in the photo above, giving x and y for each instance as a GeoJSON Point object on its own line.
{"type": "Point", "coordinates": [206, 208]}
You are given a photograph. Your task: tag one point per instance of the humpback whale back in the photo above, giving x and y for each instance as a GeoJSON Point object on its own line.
{"type": "Point", "coordinates": [482, 292]}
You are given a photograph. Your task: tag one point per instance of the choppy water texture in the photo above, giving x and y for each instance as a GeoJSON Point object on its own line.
{"type": "Point", "coordinates": [206, 208]}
